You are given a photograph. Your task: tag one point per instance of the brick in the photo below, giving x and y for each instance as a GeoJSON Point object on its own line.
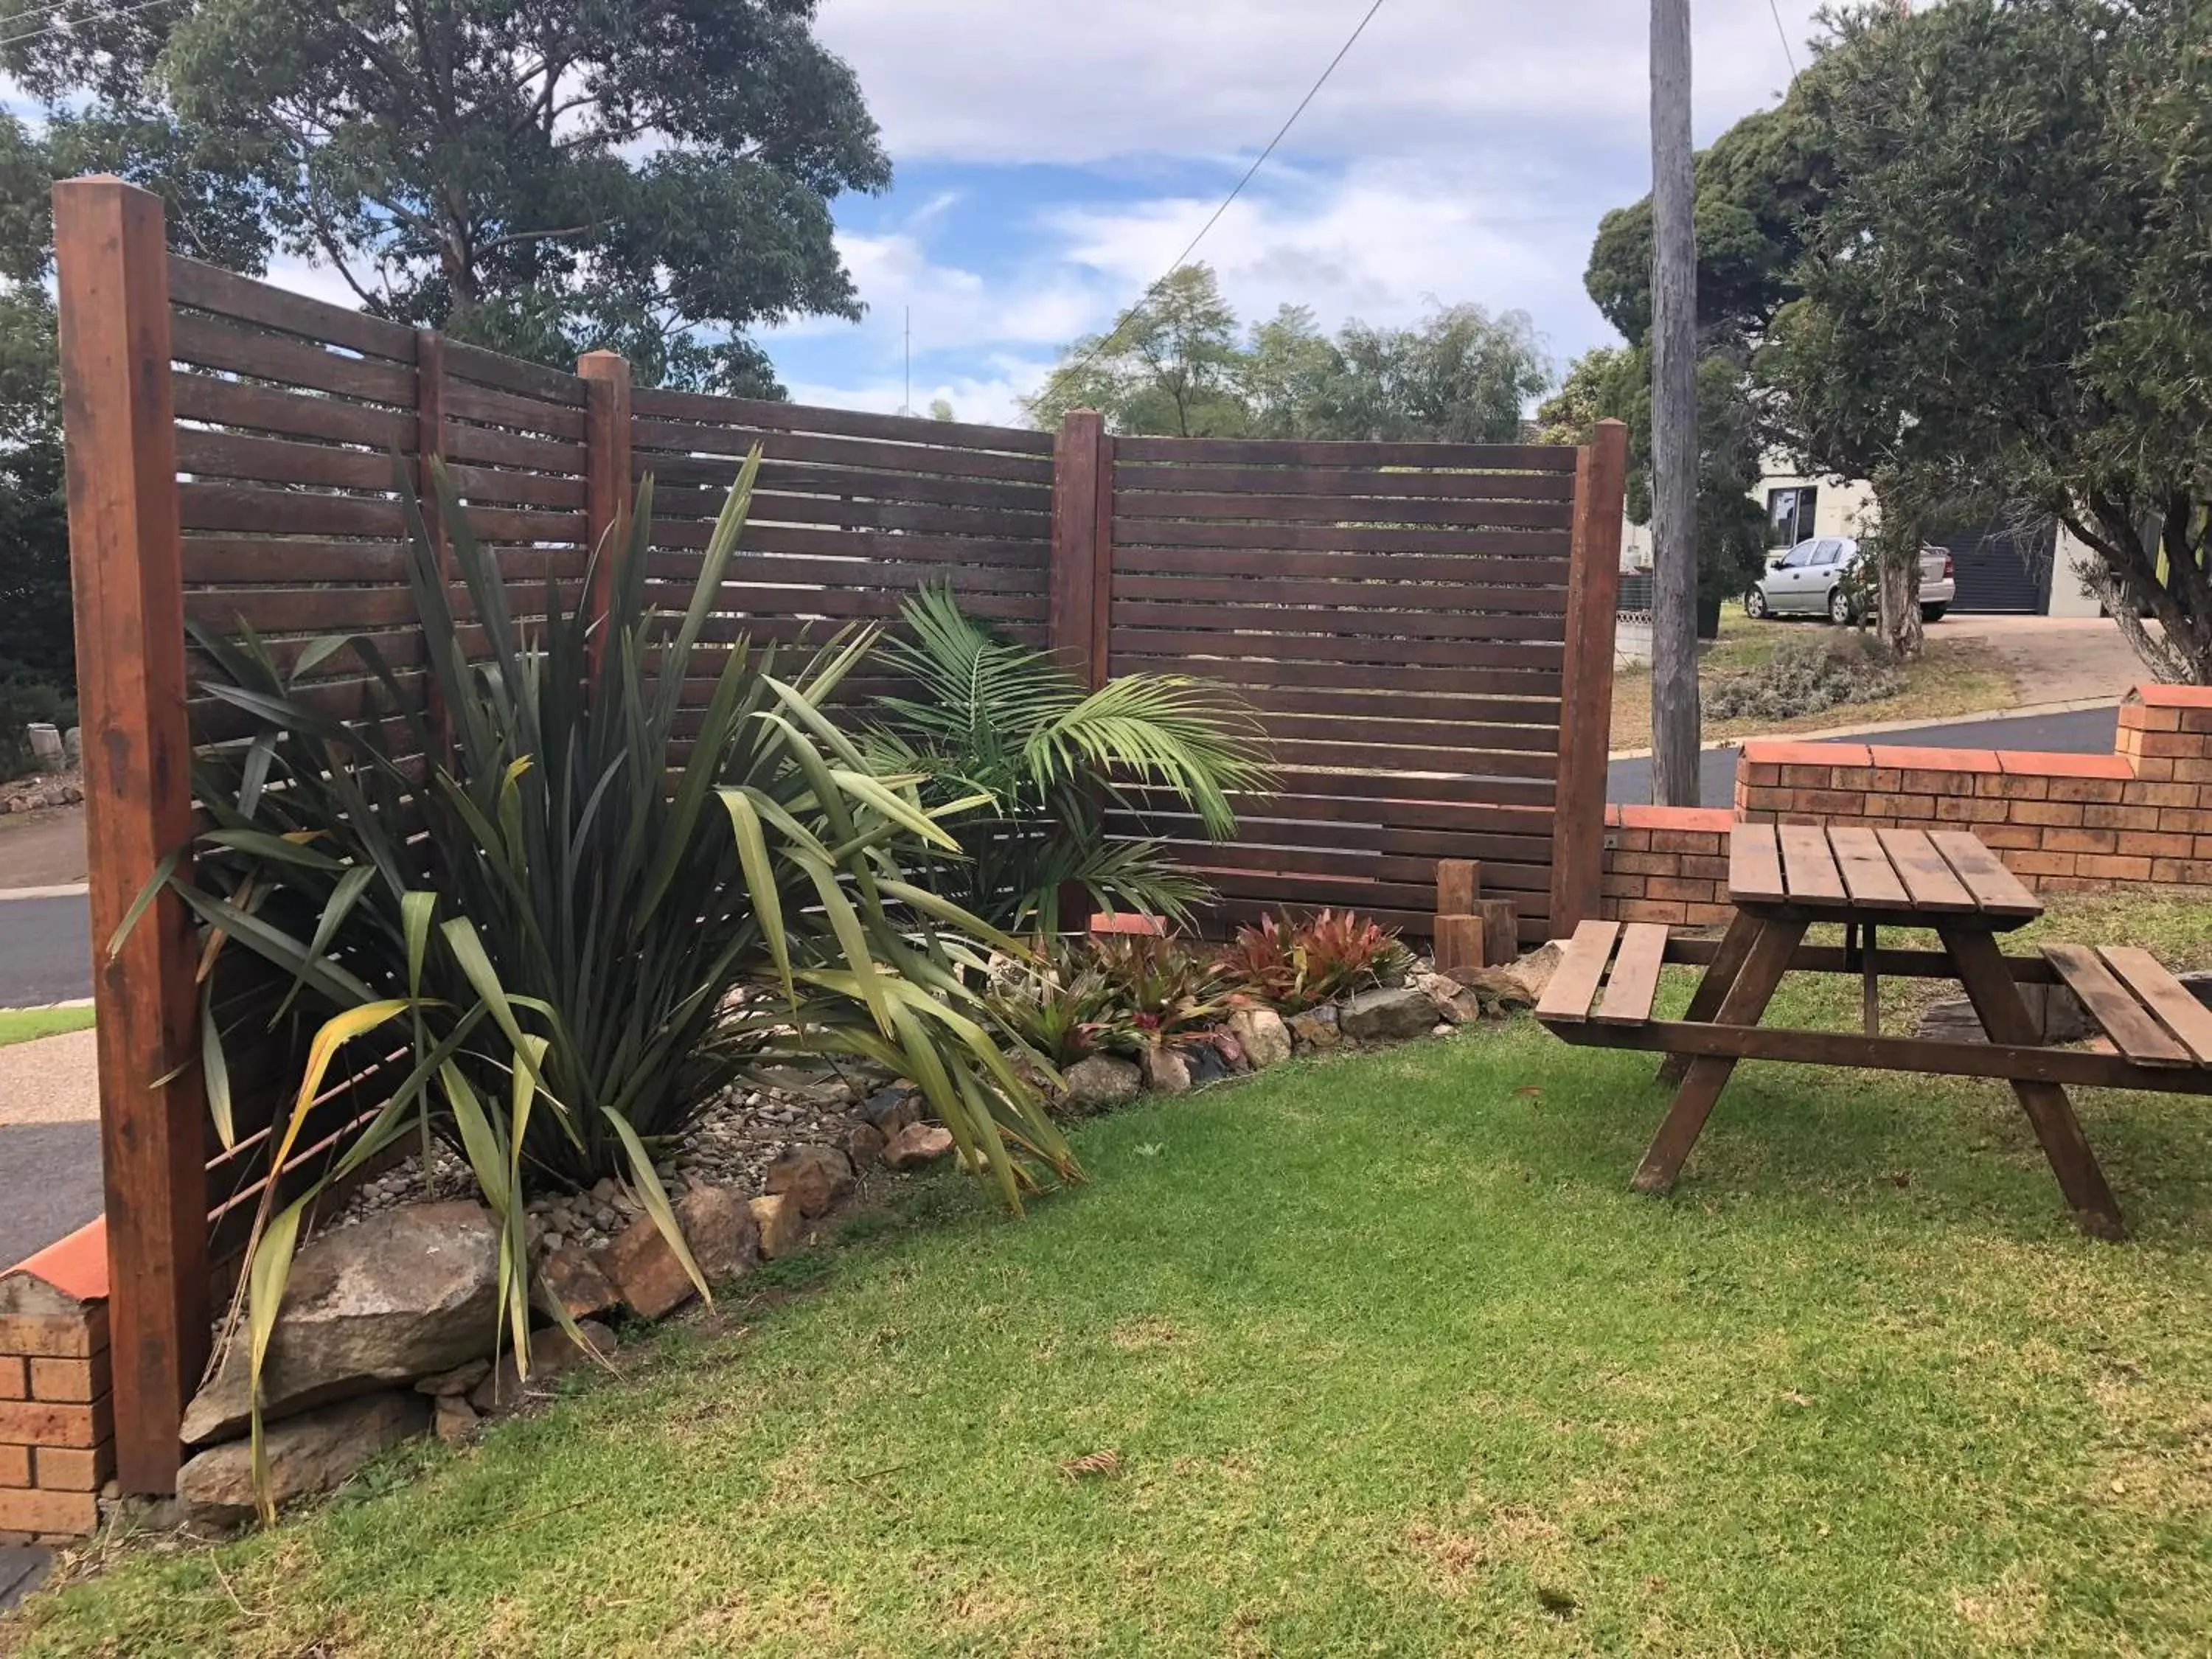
{"type": "Point", "coordinates": [1784, 752]}
{"type": "Point", "coordinates": [2173, 745]}
{"type": "Point", "coordinates": [66, 1468]}
{"type": "Point", "coordinates": [2187, 820]}
{"type": "Point", "coordinates": [2030, 764]}
{"type": "Point", "coordinates": [1716, 868]}
{"type": "Point", "coordinates": [1761, 773]}
{"type": "Point", "coordinates": [1924, 780]}
{"type": "Point", "coordinates": [2096, 866]}
{"type": "Point", "coordinates": [1666, 910]}
{"type": "Point", "coordinates": [1686, 841]}
{"type": "Point", "coordinates": [70, 1338]}
{"type": "Point", "coordinates": [1674, 887]}
{"type": "Point", "coordinates": [34, 1423]}
{"type": "Point", "coordinates": [2152, 845]}
{"type": "Point", "coordinates": [2003, 837]}
{"type": "Point", "coordinates": [70, 1514]}
{"type": "Point", "coordinates": [71, 1382]}
{"type": "Point", "coordinates": [2041, 864]}
{"type": "Point", "coordinates": [2155, 771]}
{"type": "Point", "coordinates": [2005, 786]}
{"type": "Point", "coordinates": [1829, 803]}
{"type": "Point", "coordinates": [2096, 815]}
{"type": "Point", "coordinates": [1709, 915]}
{"type": "Point", "coordinates": [2191, 771]}
{"type": "Point", "coordinates": [2192, 872]}
{"type": "Point", "coordinates": [2081, 841]}
{"type": "Point", "coordinates": [2092, 789]}
{"type": "Point", "coordinates": [2157, 695]}
{"type": "Point", "coordinates": [1970, 809]}
{"type": "Point", "coordinates": [2198, 720]}
{"type": "Point", "coordinates": [1900, 806]}
{"type": "Point", "coordinates": [2203, 848]}
{"type": "Point", "coordinates": [2152, 722]}
{"type": "Point", "coordinates": [1620, 886]}
{"type": "Point", "coordinates": [15, 1466]}
{"type": "Point", "coordinates": [1917, 758]}
{"type": "Point", "coordinates": [15, 1377]}
{"type": "Point", "coordinates": [1811, 777]}
{"type": "Point", "coordinates": [2139, 793]}
{"type": "Point", "coordinates": [2059, 813]}
{"type": "Point", "coordinates": [1852, 777]}
{"type": "Point", "coordinates": [1644, 864]}
{"type": "Point", "coordinates": [1709, 820]}
{"type": "Point", "coordinates": [1633, 840]}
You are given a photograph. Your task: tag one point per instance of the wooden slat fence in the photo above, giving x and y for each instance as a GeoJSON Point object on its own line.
{"type": "Point", "coordinates": [1424, 630]}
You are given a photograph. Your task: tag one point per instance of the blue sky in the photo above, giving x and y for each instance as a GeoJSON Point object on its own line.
{"type": "Point", "coordinates": [1052, 158]}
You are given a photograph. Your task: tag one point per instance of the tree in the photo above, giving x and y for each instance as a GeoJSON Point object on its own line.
{"type": "Point", "coordinates": [1170, 366]}
{"type": "Point", "coordinates": [2004, 293]}
{"type": "Point", "coordinates": [1174, 366]}
{"type": "Point", "coordinates": [1674, 353]}
{"type": "Point", "coordinates": [539, 176]}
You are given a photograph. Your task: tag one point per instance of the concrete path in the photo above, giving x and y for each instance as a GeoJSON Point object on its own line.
{"type": "Point", "coordinates": [2082, 732]}
{"type": "Point", "coordinates": [49, 1141]}
{"type": "Point", "coordinates": [2054, 659]}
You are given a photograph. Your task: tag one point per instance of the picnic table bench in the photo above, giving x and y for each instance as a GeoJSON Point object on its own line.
{"type": "Point", "coordinates": [1781, 879]}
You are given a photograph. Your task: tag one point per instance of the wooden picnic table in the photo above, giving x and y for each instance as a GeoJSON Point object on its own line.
{"type": "Point", "coordinates": [1781, 879]}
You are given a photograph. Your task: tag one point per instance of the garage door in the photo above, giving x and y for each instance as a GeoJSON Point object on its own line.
{"type": "Point", "coordinates": [2000, 570]}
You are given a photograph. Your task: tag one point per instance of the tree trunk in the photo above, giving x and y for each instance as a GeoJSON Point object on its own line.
{"type": "Point", "coordinates": [1898, 582]}
{"type": "Point", "coordinates": [1674, 414]}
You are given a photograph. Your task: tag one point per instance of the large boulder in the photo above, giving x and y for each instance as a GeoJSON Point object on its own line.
{"type": "Point", "coordinates": [569, 1279]}
{"type": "Point", "coordinates": [1261, 1034]}
{"type": "Point", "coordinates": [817, 1177]}
{"type": "Point", "coordinates": [918, 1143]}
{"type": "Point", "coordinates": [309, 1453]}
{"type": "Point", "coordinates": [407, 1292]}
{"type": "Point", "coordinates": [1381, 1015]}
{"type": "Point", "coordinates": [1100, 1082]}
{"type": "Point", "coordinates": [782, 1228]}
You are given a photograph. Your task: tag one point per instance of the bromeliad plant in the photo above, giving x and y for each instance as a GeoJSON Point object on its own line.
{"type": "Point", "coordinates": [613, 901]}
{"type": "Point", "coordinates": [1295, 965]}
{"type": "Point", "coordinates": [997, 719]}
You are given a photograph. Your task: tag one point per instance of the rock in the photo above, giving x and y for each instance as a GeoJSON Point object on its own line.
{"type": "Point", "coordinates": [645, 1270]}
{"type": "Point", "coordinates": [918, 1143]}
{"type": "Point", "coordinates": [1166, 1071]}
{"type": "Point", "coordinates": [1261, 1034]}
{"type": "Point", "coordinates": [864, 1144]}
{"type": "Point", "coordinates": [2058, 1015]}
{"type": "Point", "coordinates": [406, 1293]}
{"type": "Point", "coordinates": [1379, 1015]}
{"type": "Point", "coordinates": [1100, 1082]}
{"type": "Point", "coordinates": [817, 1177]}
{"type": "Point", "coordinates": [1442, 1028]}
{"type": "Point", "coordinates": [719, 1226]}
{"type": "Point", "coordinates": [453, 1420]}
{"type": "Point", "coordinates": [1316, 1028]}
{"type": "Point", "coordinates": [552, 1351]}
{"type": "Point", "coordinates": [1497, 991]}
{"type": "Point", "coordinates": [1232, 1053]}
{"type": "Point", "coordinates": [309, 1453]}
{"type": "Point", "coordinates": [1205, 1064]}
{"type": "Point", "coordinates": [779, 1223]}
{"type": "Point", "coordinates": [1535, 967]}
{"type": "Point", "coordinates": [458, 1381]}
{"type": "Point", "coordinates": [890, 1109]}
{"type": "Point", "coordinates": [571, 1280]}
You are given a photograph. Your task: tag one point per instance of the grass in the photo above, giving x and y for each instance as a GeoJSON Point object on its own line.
{"type": "Point", "coordinates": [1392, 1363]}
{"type": "Point", "coordinates": [26, 1024]}
{"type": "Point", "coordinates": [1955, 677]}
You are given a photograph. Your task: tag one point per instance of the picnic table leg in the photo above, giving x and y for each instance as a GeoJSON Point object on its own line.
{"type": "Point", "coordinates": [2004, 1017]}
{"type": "Point", "coordinates": [1772, 945]}
{"type": "Point", "coordinates": [1719, 975]}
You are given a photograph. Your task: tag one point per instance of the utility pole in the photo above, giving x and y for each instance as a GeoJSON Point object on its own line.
{"type": "Point", "coordinates": [1673, 414]}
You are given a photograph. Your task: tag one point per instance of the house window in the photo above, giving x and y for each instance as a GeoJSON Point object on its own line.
{"type": "Point", "coordinates": [1790, 516]}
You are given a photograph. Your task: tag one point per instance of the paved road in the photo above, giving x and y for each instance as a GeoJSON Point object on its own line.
{"type": "Point", "coordinates": [49, 1184]}
{"type": "Point", "coordinates": [2086, 732]}
{"type": "Point", "coordinates": [45, 956]}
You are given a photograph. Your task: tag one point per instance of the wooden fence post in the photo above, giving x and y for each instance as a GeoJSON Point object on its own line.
{"type": "Point", "coordinates": [1081, 583]}
{"type": "Point", "coordinates": [607, 484]}
{"type": "Point", "coordinates": [1586, 678]}
{"type": "Point", "coordinates": [126, 565]}
{"type": "Point", "coordinates": [430, 445]}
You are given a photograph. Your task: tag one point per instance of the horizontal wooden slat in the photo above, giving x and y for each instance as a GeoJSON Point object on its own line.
{"type": "Point", "coordinates": [1134, 651]}
{"type": "Point", "coordinates": [659, 404]}
{"type": "Point", "coordinates": [1451, 653]}
{"type": "Point", "coordinates": [275, 460]}
{"type": "Point", "coordinates": [498, 448]}
{"type": "Point", "coordinates": [210, 287]}
{"type": "Point", "coordinates": [1335, 510]}
{"type": "Point", "coordinates": [1311, 452]}
{"type": "Point", "coordinates": [864, 548]}
{"type": "Point", "coordinates": [1351, 703]}
{"type": "Point", "coordinates": [1437, 735]}
{"type": "Point", "coordinates": [1269, 622]}
{"type": "Point", "coordinates": [787, 491]}
{"type": "Point", "coordinates": [464, 361]}
{"type": "Point", "coordinates": [1158, 544]}
{"type": "Point", "coordinates": [492, 407]}
{"type": "Point", "coordinates": [819, 512]}
{"type": "Point", "coordinates": [791, 449]}
{"type": "Point", "coordinates": [297, 512]}
{"type": "Point", "coordinates": [850, 574]}
{"type": "Point", "coordinates": [486, 484]}
{"type": "Point", "coordinates": [292, 414]}
{"type": "Point", "coordinates": [1365, 484]}
{"type": "Point", "coordinates": [1411, 598]}
{"type": "Point", "coordinates": [213, 342]}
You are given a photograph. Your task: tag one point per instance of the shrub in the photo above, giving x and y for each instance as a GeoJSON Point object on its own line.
{"type": "Point", "coordinates": [1295, 965]}
{"type": "Point", "coordinates": [1025, 765]}
{"type": "Point", "coordinates": [1806, 675]}
{"type": "Point", "coordinates": [593, 928]}
{"type": "Point", "coordinates": [1173, 994]}
{"type": "Point", "coordinates": [26, 701]}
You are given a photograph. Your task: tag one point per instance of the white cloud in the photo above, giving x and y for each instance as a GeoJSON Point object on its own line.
{"type": "Point", "coordinates": [994, 397]}
{"type": "Point", "coordinates": [953, 307]}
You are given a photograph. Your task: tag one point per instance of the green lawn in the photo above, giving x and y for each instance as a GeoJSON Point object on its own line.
{"type": "Point", "coordinates": [22, 1024]}
{"type": "Point", "coordinates": [1392, 1363]}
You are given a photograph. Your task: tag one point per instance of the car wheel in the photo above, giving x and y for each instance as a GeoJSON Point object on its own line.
{"type": "Point", "coordinates": [1754, 604]}
{"type": "Point", "coordinates": [1841, 612]}
{"type": "Point", "coordinates": [1933, 612]}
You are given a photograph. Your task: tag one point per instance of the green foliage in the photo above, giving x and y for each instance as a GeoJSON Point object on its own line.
{"type": "Point", "coordinates": [1173, 992]}
{"type": "Point", "coordinates": [1806, 673]}
{"type": "Point", "coordinates": [650, 176]}
{"type": "Point", "coordinates": [1023, 763]}
{"type": "Point", "coordinates": [1293, 964]}
{"type": "Point", "coordinates": [27, 701]}
{"type": "Point", "coordinates": [595, 932]}
{"type": "Point", "coordinates": [1061, 1004]}
{"type": "Point", "coordinates": [1174, 366]}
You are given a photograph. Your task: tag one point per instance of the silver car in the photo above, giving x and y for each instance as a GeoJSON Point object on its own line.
{"type": "Point", "coordinates": [1813, 579]}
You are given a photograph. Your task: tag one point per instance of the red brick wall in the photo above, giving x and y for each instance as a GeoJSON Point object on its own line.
{"type": "Point", "coordinates": [57, 1429]}
{"type": "Point", "coordinates": [2143, 813]}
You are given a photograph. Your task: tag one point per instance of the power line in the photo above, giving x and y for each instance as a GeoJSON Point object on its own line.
{"type": "Point", "coordinates": [1774, 7]}
{"type": "Point", "coordinates": [1122, 322]}
{"type": "Point", "coordinates": [61, 23]}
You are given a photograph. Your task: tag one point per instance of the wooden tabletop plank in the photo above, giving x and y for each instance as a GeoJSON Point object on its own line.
{"type": "Point", "coordinates": [1574, 981]}
{"type": "Point", "coordinates": [1927, 878]}
{"type": "Point", "coordinates": [1995, 888]}
{"type": "Point", "coordinates": [1868, 876]}
{"type": "Point", "coordinates": [2133, 1031]}
{"type": "Point", "coordinates": [1635, 980]}
{"type": "Point", "coordinates": [1808, 866]}
{"type": "Point", "coordinates": [2165, 996]}
{"type": "Point", "coordinates": [1755, 865]}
